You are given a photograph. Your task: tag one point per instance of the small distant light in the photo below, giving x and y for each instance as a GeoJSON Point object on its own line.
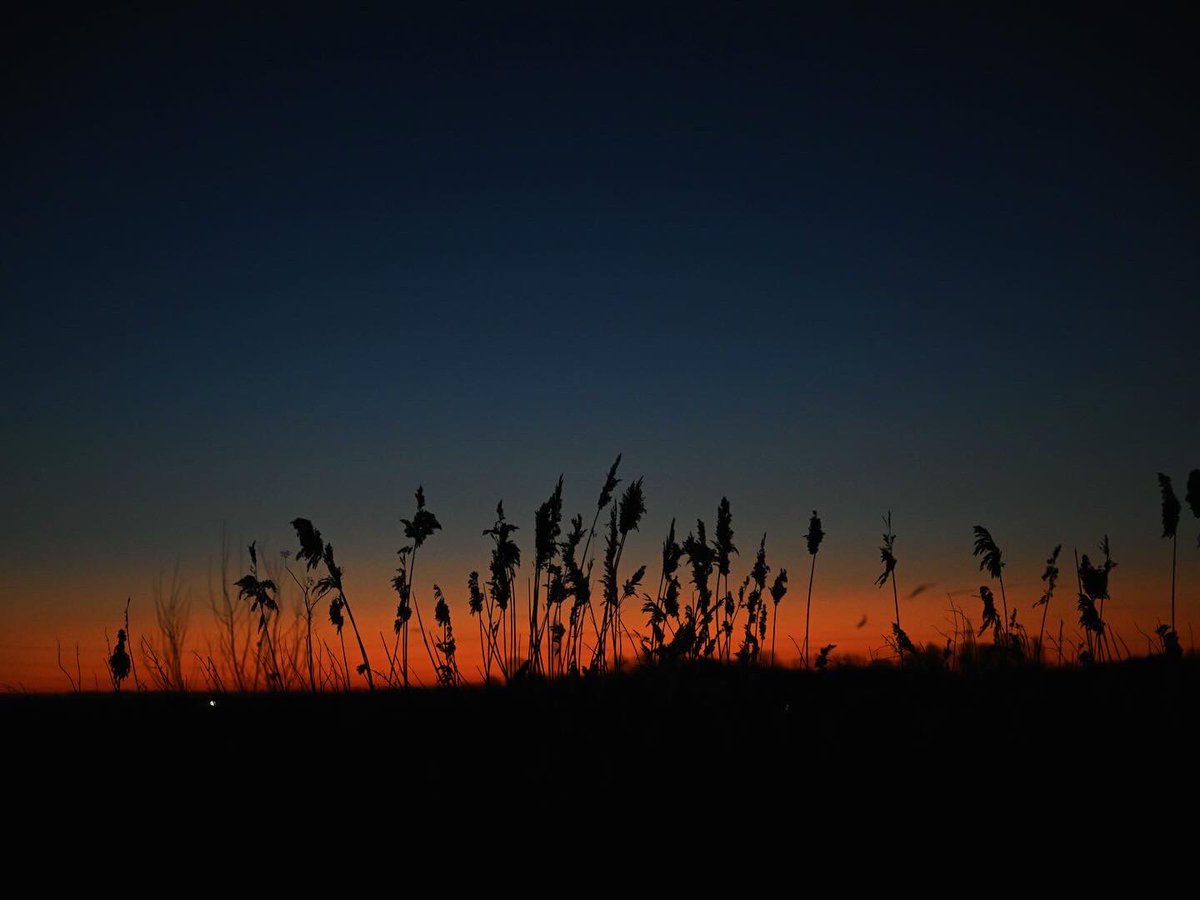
{"type": "Point", "coordinates": [212, 702]}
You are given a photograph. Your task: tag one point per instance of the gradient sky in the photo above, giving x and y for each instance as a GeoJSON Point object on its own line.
{"type": "Point", "coordinates": [262, 263]}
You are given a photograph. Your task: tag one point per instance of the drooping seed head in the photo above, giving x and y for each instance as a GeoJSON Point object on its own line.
{"type": "Point", "coordinates": [1170, 506]}
{"type": "Point", "coordinates": [815, 534]}
{"type": "Point", "coordinates": [991, 558]}
{"type": "Point", "coordinates": [610, 484]}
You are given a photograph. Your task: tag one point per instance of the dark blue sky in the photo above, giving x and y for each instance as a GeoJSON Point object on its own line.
{"type": "Point", "coordinates": [263, 263]}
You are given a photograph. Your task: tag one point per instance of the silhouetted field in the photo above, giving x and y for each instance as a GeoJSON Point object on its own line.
{"type": "Point", "coordinates": [700, 737]}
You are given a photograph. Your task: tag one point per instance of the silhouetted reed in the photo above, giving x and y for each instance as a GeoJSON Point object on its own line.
{"type": "Point", "coordinates": [577, 575]}
{"type": "Point", "coordinates": [900, 640]}
{"type": "Point", "coordinates": [309, 602]}
{"type": "Point", "coordinates": [314, 552]}
{"type": "Point", "coordinates": [445, 665]}
{"type": "Point", "coordinates": [695, 637]}
{"type": "Point", "coordinates": [813, 540]}
{"type": "Point", "coordinates": [418, 529]}
{"type": "Point", "coordinates": [1093, 591]}
{"type": "Point", "coordinates": [778, 592]}
{"type": "Point", "coordinates": [992, 561]}
{"type": "Point", "coordinates": [823, 657]}
{"type": "Point", "coordinates": [624, 518]}
{"type": "Point", "coordinates": [724, 549]}
{"type": "Point", "coordinates": [665, 605]}
{"type": "Point", "coordinates": [576, 585]}
{"type": "Point", "coordinates": [119, 663]}
{"type": "Point", "coordinates": [1170, 523]}
{"type": "Point", "coordinates": [1192, 497]}
{"type": "Point", "coordinates": [678, 628]}
{"type": "Point", "coordinates": [506, 559]}
{"type": "Point", "coordinates": [172, 615]}
{"type": "Point", "coordinates": [991, 618]}
{"type": "Point", "coordinates": [262, 596]}
{"type": "Point", "coordinates": [756, 609]}
{"type": "Point", "coordinates": [1050, 579]}
{"type": "Point", "coordinates": [546, 529]}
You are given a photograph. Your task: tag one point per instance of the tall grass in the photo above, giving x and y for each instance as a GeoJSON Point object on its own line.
{"type": "Point", "coordinates": [664, 606]}
{"type": "Point", "coordinates": [778, 592]}
{"type": "Point", "coordinates": [418, 529]}
{"type": "Point", "coordinates": [813, 540]}
{"type": "Point", "coordinates": [172, 618]}
{"type": "Point", "coordinates": [546, 529]}
{"type": "Point", "coordinates": [445, 663]}
{"type": "Point", "coordinates": [695, 637]}
{"type": "Point", "coordinates": [314, 552]}
{"type": "Point", "coordinates": [756, 608]}
{"type": "Point", "coordinates": [506, 559]}
{"type": "Point", "coordinates": [887, 556]}
{"type": "Point", "coordinates": [1093, 592]}
{"type": "Point", "coordinates": [1170, 523]}
{"type": "Point", "coordinates": [677, 627]}
{"type": "Point", "coordinates": [990, 618]}
{"type": "Point", "coordinates": [262, 594]}
{"type": "Point", "coordinates": [724, 549]}
{"type": "Point", "coordinates": [1192, 497]}
{"type": "Point", "coordinates": [1050, 579]}
{"type": "Point", "coordinates": [991, 560]}
{"type": "Point", "coordinates": [577, 586]}
{"type": "Point", "coordinates": [625, 517]}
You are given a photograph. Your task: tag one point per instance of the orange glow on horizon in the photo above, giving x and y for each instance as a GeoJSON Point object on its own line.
{"type": "Point", "coordinates": [28, 654]}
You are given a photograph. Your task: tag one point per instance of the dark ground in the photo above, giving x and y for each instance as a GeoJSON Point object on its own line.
{"type": "Point", "coordinates": [701, 738]}
{"type": "Point", "coordinates": [696, 781]}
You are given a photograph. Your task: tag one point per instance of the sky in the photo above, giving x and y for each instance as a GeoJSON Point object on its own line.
{"type": "Point", "coordinates": [296, 260]}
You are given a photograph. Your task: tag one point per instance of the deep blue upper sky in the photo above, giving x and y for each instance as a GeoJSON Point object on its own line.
{"type": "Point", "coordinates": [263, 263]}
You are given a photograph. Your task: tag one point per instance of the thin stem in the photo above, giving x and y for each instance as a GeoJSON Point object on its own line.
{"type": "Point", "coordinates": [361, 649]}
{"type": "Point", "coordinates": [1042, 630]}
{"type": "Point", "coordinates": [808, 611]}
{"type": "Point", "coordinates": [896, 600]}
{"type": "Point", "coordinates": [1004, 602]}
{"type": "Point", "coordinates": [1174, 542]}
{"type": "Point", "coordinates": [345, 662]}
{"type": "Point", "coordinates": [1079, 582]}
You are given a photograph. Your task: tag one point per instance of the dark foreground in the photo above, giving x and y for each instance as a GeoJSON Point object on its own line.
{"type": "Point", "coordinates": [700, 739]}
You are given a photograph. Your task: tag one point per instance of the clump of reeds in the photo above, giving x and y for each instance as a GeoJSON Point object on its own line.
{"type": "Point", "coordinates": [546, 529]}
{"type": "Point", "coordinates": [756, 609]}
{"type": "Point", "coordinates": [694, 636]}
{"type": "Point", "coordinates": [724, 550]}
{"type": "Point", "coordinates": [624, 518]}
{"type": "Point", "coordinates": [577, 575]}
{"type": "Point", "coordinates": [506, 559]}
{"type": "Point", "coordinates": [665, 605]}
{"type": "Point", "coordinates": [577, 585]}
